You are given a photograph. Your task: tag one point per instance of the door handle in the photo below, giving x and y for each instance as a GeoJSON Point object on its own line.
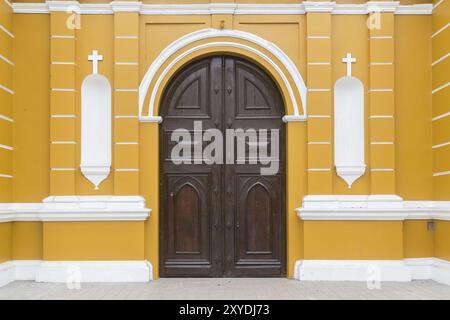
{"type": "Point", "coordinates": [229, 90]}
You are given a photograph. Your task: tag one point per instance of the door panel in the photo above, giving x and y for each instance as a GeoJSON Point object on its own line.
{"type": "Point", "coordinates": [222, 219]}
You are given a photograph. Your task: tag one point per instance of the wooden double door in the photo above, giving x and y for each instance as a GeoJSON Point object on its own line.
{"type": "Point", "coordinates": [221, 220]}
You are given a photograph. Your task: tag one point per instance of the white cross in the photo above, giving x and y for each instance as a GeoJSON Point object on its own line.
{"type": "Point", "coordinates": [349, 60]}
{"type": "Point", "coordinates": [95, 58]}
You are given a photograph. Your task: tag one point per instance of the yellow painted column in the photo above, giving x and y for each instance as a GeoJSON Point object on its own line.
{"type": "Point", "coordinates": [440, 40]}
{"type": "Point", "coordinates": [126, 83]}
{"type": "Point", "coordinates": [62, 103]}
{"type": "Point", "coordinates": [382, 104]}
{"type": "Point", "coordinates": [320, 160]}
{"type": "Point", "coordinates": [6, 101]}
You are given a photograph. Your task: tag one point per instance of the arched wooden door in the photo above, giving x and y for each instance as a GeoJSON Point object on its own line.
{"type": "Point", "coordinates": [221, 219]}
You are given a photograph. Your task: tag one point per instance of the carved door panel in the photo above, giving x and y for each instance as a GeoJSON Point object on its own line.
{"type": "Point", "coordinates": [221, 219]}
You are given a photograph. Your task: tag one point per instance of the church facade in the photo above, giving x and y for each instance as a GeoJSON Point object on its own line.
{"type": "Point", "coordinates": [116, 162]}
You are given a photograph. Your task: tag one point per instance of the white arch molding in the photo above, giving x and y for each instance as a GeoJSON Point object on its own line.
{"type": "Point", "coordinates": [190, 38]}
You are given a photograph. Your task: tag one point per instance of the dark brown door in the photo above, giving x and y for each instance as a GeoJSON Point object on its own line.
{"type": "Point", "coordinates": [222, 219]}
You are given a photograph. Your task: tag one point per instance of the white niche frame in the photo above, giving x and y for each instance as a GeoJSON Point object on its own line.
{"type": "Point", "coordinates": [349, 135]}
{"type": "Point", "coordinates": [96, 128]}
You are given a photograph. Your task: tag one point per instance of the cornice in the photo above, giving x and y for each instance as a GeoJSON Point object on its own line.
{"type": "Point", "coordinates": [371, 207]}
{"type": "Point", "coordinates": [77, 208]}
{"type": "Point", "coordinates": [221, 8]}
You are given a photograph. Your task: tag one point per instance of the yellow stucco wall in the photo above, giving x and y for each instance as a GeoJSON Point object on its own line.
{"type": "Point", "coordinates": [93, 241]}
{"type": "Point", "coordinates": [442, 240]}
{"type": "Point", "coordinates": [359, 240]}
{"type": "Point", "coordinates": [418, 239]}
{"type": "Point", "coordinates": [412, 156]}
{"type": "Point", "coordinates": [5, 241]}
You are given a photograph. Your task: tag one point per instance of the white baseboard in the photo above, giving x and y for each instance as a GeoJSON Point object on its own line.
{"type": "Point", "coordinates": [75, 271]}
{"type": "Point", "coordinates": [372, 270]}
{"type": "Point", "coordinates": [436, 269]}
{"type": "Point", "coordinates": [6, 273]}
{"type": "Point", "coordinates": [352, 270]}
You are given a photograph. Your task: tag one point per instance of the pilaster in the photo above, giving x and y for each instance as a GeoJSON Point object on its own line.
{"type": "Point", "coordinates": [320, 161]}
{"type": "Point", "coordinates": [382, 102]}
{"type": "Point", "coordinates": [62, 103]}
{"type": "Point", "coordinates": [126, 84]}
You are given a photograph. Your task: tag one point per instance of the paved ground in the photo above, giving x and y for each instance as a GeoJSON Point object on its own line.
{"type": "Point", "coordinates": [227, 289]}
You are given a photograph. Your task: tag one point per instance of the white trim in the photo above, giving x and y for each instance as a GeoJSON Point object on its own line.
{"type": "Point", "coordinates": [9, 33]}
{"type": "Point", "coordinates": [6, 118]}
{"type": "Point", "coordinates": [443, 173]}
{"type": "Point", "coordinates": [381, 116]}
{"type": "Point", "coordinates": [318, 37]}
{"type": "Point", "coordinates": [8, 3]}
{"type": "Point", "coordinates": [6, 89]}
{"type": "Point", "coordinates": [69, 271]}
{"type": "Point", "coordinates": [441, 116]}
{"type": "Point", "coordinates": [62, 6]}
{"type": "Point", "coordinates": [222, 8]}
{"type": "Point", "coordinates": [440, 30]}
{"type": "Point", "coordinates": [352, 270]}
{"type": "Point", "coordinates": [319, 90]}
{"type": "Point", "coordinates": [126, 37]}
{"type": "Point", "coordinates": [6, 176]}
{"type": "Point", "coordinates": [96, 8]}
{"type": "Point", "coordinates": [437, 146]}
{"type": "Point", "coordinates": [320, 116]}
{"type": "Point", "coordinates": [64, 63]}
{"type": "Point", "coordinates": [438, 4]}
{"type": "Point", "coordinates": [293, 118]}
{"type": "Point", "coordinates": [63, 142]}
{"type": "Point", "coordinates": [381, 63]}
{"type": "Point", "coordinates": [126, 90]}
{"type": "Point", "coordinates": [381, 90]}
{"type": "Point", "coordinates": [63, 116]}
{"type": "Point", "coordinates": [381, 142]}
{"type": "Point", "coordinates": [63, 90]}
{"type": "Point", "coordinates": [271, 9]}
{"type": "Point", "coordinates": [126, 117]}
{"type": "Point", "coordinates": [30, 8]}
{"type": "Point", "coordinates": [177, 46]}
{"type": "Point", "coordinates": [350, 9]}
{"type": "Point", "coordinates": [151, 119]}
{"type": "Point", "coordinates": [369, 208]}
{"type": "Point", "coordinates": [318, 142]}
{"type": "Point", "coordinates": [421, 8]}
{"type": "Point", "coordinates": [126, 6]}
{"type": "Point", "coordinates": [127, 170]}
{"type": "Point", "coordinates": [318, 169]}
{"type": "Point", "coordinates": [127, 143]}
{"type": "Point", "coordinates": [381, 37]}
{"type": "Point", "coordinates": [374, 270]}
{"type": "Point", "coordinates": [3, 146]}
{"type": "Point", "coordinates": [440, 88]}
{"type": "Point", "coordinates": [6, 60]}
{"type": "Point", "coordinates": [77, 208]}
{"type": "Point", "coordinates": [55, 36]}
{"type": "Point", "coordinates": [440, 59]}
{"type": "Point", "coordinates": [317, 6]}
